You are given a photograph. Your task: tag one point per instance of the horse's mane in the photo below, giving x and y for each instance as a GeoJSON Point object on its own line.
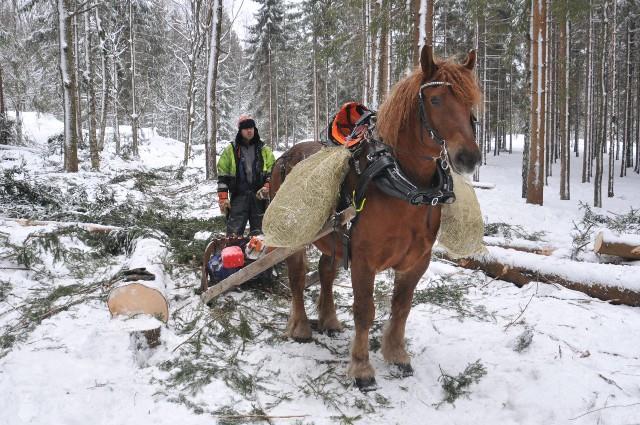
{"type": "Point", "coordinates": [400, 108]}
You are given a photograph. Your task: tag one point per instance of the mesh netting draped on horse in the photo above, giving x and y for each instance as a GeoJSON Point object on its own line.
{"type": "Point", "coordinates": [309, 194]}
{"type": "Point", "coordinates": [461, 225]}
{"type": "Point", "coordinates": [306, 199]}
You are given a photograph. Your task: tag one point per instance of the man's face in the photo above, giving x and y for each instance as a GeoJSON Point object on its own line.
{"type": "Point", "coordinates": [247, 133]}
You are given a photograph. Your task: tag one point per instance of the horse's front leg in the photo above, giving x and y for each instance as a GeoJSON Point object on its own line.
{"type": "Point", "coordinates": [393, 343]}
{"type": "Point", "coordinates": [360, 368]}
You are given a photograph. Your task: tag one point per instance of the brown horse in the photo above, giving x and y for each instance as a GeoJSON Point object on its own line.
{"type": "Point", "coordinates": [390, 232]}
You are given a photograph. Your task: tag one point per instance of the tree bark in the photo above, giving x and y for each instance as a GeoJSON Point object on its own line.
{"type": "Point", "coordinates": [602, 138]}
{"type": "Point", "coordinates": [563, 105]}
{"type": "Point", "coordinates": [134, 113]}
{"type": "Point", "coordinates": [520, 276]}
{"type": "Point", "coordinates": [625, 246]}
{"type": "Point", "coordinates": [68, 77]}
{"type": "Point", "coordinates": [104, 99]}
{"type": "Point", "coordinates": [4, 124]}
{"type": "Point", "coordinates": [210, 100]}
{"type": "Point", "coordinates": [535, 175]}
{"type": "Point", "coordinates": [613, 136]}
{"type": "Point", "coordinates": [91, 92]}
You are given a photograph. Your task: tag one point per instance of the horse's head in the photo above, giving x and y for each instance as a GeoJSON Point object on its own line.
{"type": "Point", "coordinates": [447, 93]}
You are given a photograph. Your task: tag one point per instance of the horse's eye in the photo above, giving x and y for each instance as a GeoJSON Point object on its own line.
{"type": "Point", "coordinates": [436, 100]}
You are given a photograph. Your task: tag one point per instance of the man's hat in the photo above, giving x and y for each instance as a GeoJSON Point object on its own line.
{"type": "Point", "coordinates": [246, 121]}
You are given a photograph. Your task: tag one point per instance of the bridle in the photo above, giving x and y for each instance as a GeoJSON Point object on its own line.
{"type": "Point", "coordinates": [433, 133]}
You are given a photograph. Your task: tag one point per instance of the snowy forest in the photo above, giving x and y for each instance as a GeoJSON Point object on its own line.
{"type": "Point", "coordinates": [114, 115]}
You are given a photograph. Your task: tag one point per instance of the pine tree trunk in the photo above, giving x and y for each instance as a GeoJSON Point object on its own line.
{"type": "Point", "coordinates": [365, 51]}
{"type": "Point", "coordinates": [563, 103]}
{"type": "Point", "coordinates": [535, 174]}
{"type": "Point", "coordinates": [602, 139]}
{"type": "Point", "coordinates": [210, 95]}
{"type": "Point", "coordinates": [68, 77]}
{"type": "Point", "coordinates": [4, 124]}
{"type": "Point", "coordinates": [316, 117]}
{"type": "Point", "coordinates": [116, 116]}
{"type": "Point", "coordinates": [626, 141]}
{"type": "Point", "coordinates": [383, 70]}
{"type": "Point", "coordinates": [587, 142]}
{"type": "Point", "coordinates": [104, 100]}
{"type": "Point", "coordinates": [78, 96]}
{"type": "Point", "coordinates": [270, 76]}
{"type": "Point", "coordinates": [91, 94]}
{"type": "Point", "coordinates": [613, 137]}
{"type": "Point", "coordinates": [428, 25]}
{"type": "Point", "coordinates": [134, 113]}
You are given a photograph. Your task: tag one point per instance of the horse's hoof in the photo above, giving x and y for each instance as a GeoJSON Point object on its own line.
{"type": "Point", "coordinates": [366, 384]}
{"type": "Point", "coordinates": [302, 340]}
{"type": "Point", "coordinates": [405, 369]}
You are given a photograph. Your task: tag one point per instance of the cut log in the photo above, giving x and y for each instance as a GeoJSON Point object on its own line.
{"type": "Point", "coordinates": [617, 284]}
{"type": "Point", "coordinates": [624, 246]}
{"type": "Point", "coordinates": [141, 290]}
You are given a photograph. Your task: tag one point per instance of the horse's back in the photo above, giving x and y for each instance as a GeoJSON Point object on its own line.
{"type": "Point", "coordinates": [289, 159]}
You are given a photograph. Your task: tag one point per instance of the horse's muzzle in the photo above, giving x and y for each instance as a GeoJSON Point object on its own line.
{"type": "Point", "coordinates": [466, 161]}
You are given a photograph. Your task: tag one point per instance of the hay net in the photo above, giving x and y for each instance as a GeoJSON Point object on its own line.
{"type": "Point", "coordinates": [461, 224]}
{"type": "Point", "coordinates": [306, 199]}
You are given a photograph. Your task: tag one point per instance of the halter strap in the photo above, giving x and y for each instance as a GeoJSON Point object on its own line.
{"type": "Point", "coordinates": [423, 114]}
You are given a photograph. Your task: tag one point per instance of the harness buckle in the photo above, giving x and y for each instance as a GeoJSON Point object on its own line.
{"type": "Point", "coordinates": [434, 202]}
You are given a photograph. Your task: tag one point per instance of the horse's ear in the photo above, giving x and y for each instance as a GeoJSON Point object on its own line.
{"type": "Point", "coordinates": [470, 63]}
{"type": "Point", "coordinates": [427, 63]}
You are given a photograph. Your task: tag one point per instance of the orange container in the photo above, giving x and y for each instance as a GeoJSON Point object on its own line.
{"type": "Point", "coordinates": [232, 256]}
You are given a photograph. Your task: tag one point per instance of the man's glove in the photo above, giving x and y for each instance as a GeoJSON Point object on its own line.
{"type": "Point", "coordinates": [223, 203]}
{"type": "Point", "coordinates": [263, 193]}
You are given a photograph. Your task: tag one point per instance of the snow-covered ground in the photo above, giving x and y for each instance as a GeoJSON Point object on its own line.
{"type": "Point", "coordinates": [551, 355]}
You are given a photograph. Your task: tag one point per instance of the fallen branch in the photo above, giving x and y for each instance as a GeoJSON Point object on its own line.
{"type": "Point", "coordinates": [607, 282]}
{"type": "Point", "coordinates": [522, 245]}
{"type": "Point", "coordinates": [90, 227]}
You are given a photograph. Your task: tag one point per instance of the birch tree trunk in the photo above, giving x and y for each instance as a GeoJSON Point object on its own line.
{"type": "Point", "coordinates": [210, 99]}
{"type": "Point", "coordinates": [68, 77]}
{"type": "Point", "coordinates": [535, 174]}
{"type": "Point", "coordinates": [89, 78]}
{"type": "Point", "coordinates": [134, 113]}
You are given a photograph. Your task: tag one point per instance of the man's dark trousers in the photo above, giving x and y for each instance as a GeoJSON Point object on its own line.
{"type": "Point", "coordinates": [245, 207]}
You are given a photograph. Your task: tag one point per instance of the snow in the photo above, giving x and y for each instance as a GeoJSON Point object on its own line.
{"type": "Point", "coordinates": [81, 366]}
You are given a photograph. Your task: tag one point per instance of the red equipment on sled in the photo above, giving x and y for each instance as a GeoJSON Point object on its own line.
{"type": "Point", "coordinates": [348, 127]}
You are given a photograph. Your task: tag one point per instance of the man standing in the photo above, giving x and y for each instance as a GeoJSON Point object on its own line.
{"type": "Point", "coordinates": [244, 171]}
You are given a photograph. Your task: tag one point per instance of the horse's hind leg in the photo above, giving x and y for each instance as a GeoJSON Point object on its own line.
{"type": "Point", "coordinates": [393, 344]}
{"type": "Point", "coordinates": [298, 326]}
{"type": "Point", "coordinates": [327, 319]}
